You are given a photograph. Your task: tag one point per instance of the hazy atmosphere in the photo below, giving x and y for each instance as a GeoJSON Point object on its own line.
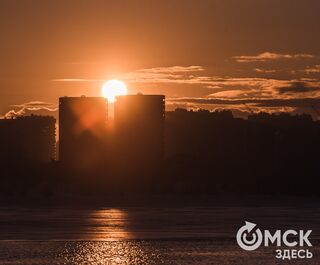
{"type": "Point", "coordinates": [262, 55]}
{"type": "Point", "coordinates": [148, 132]}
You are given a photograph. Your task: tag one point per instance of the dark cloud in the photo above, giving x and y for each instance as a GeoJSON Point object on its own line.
{"type": "Point", "coordinates": [297, 87]}
{"type": "Point", "coordinates": [295, 102]}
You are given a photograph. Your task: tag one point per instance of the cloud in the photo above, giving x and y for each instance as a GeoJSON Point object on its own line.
{"type": "Point", "coordinates": [171, 74]}
{"type": "Point", "coordinates": [269, 56]}
{"type": "Point", "coordinates": [299, 87]}
{"type": "Point", "coordinates": [295, 102]}
{"type": "Point", "coordinates": [237, 93]}
{"type": "Point", "coordinates": [227, 94]}
{"type": "Point", "coordinates": [173, 69]}
{"type": "Point", "coordinates": [33, 104]}
{"type": "Point", "coordinates": [230, 87]}
{"type": "Point", "coordinates": [75, 80]}
{"type": "Point", "coordinates": [30, 108]}
{"type": "Point", "coordinates": [224, 91]}
{"type": "Point", "coordinates": [177, 76]}
{"type": "Point", "coordinates": [264, 71]}
{"type": "Point", "coordinates": [312, 70]}
{"type": "Point", "coordinates": [268, 88]}
{"type": "Point", "coordinates": [239, 86]}
{"type": "Point", "coordinates": [191, 75]}
{"type": "Point", "coordinates": [155, 75]}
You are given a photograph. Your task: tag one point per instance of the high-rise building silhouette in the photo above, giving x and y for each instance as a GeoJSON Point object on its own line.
{"type": "Point", "coordinates": [82, 130]}
{"type": "Point", "coordinates": [139, 123]}
{"type": "Point", "coordinates": [27, 139]}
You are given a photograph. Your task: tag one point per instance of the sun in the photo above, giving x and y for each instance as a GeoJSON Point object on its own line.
{"type": "Point", "coordinates": [113, 88]}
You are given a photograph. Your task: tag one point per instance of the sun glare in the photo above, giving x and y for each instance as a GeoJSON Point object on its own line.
{"type": "Point", "coordinates": [113, 88]}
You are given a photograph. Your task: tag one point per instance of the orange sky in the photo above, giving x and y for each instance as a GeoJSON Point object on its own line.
{"type": "Point", "coordinates": [212, 54]}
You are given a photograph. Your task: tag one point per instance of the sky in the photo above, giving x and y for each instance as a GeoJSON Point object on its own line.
{"type": "Point", "coordinates": [246, 55]}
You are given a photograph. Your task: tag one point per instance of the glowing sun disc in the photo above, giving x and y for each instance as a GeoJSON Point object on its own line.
{"type": "Point", "coordinates": [113, 88]}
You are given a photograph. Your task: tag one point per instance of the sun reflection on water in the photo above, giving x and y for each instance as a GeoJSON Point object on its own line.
{"type": "Point", "coordinates": [112, 252]}
{"type": "Point", "coordinates": [107, 241]}
{"type": "Point", "coordinates": [108, 225]}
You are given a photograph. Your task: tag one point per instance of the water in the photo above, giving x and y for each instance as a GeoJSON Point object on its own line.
{"type": "Point", "coordinates": [140, 235]}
